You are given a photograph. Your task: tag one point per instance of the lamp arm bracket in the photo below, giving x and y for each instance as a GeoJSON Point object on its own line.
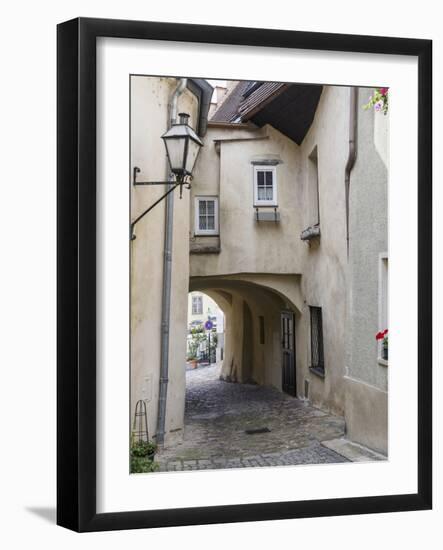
{"type": "Point", "coordinates": [136, 170]}
{"type": "Point", "coordinates": [170, 190]}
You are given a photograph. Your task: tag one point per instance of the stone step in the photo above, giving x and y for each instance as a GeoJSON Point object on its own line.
{"type": "Point", "coordinates": [353, 451]}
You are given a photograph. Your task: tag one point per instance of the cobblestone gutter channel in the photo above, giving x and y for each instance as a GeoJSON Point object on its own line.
{"type": "Point", "coordinates": [218, 414]}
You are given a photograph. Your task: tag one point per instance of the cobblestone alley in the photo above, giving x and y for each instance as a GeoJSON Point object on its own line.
{"type": "Point", "coordinates": [218, 415]}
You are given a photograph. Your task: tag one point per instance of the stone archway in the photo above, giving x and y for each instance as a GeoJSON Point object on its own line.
{"type": "Point", "coordinates": [253, 305]}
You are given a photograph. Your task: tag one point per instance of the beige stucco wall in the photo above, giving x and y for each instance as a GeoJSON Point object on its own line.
{"type": "Point", "coordinates": [149, 101]}
{"type": "Point", "coordinates": [325, 263]}
{"type": "Point", "coordinates": [228, 174]}
{"type": "Point", "coordinates": [366, 415]}
{"type": "Point", "coordinates": [367, 377]}
{"type": "Point", "coordinates": [273, 250]}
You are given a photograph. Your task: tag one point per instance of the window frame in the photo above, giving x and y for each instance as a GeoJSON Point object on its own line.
{"type": "Point", "coordinates": [313, 182]}
{"type": "Point", "coordinates": [261, 330]}
{"type": "Point", "coordinates": [197, 230]}
{"type": "Point", "coordinates": [383, 301]}
{"type": "Point", "coordinates": [197, 299]}
{"type": "Point", "coordinates": [320, 368]}
{"type": "Point", "coordinates": [265, 168]}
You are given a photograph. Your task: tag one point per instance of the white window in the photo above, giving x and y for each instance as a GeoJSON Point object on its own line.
{"type": "Point", "coordinates": [265, 186]}
{"type": "Point", "coordinates": [206, 216]}
{"type": "Point", "coordinates": [197, 305]}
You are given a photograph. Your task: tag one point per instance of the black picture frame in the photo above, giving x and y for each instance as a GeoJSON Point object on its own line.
{"type": "Point", "coordinates": [76, 280]}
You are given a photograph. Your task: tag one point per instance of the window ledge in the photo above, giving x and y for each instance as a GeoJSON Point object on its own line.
{"type": "Point", "coordinates": [317, 371]}
{"type": "Point", "coordinates": [267, 215]}
{"type": "Point", "coordinates": [383, 362]}
{"type": "Point", "coordinates": [311, 232]}
{"type": "Point", "coordinates": [206, 250]}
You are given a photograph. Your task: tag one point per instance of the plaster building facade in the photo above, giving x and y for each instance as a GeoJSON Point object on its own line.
{"type": "Point", "coordinates": [200, 308]}
{"type": "Point", "coordinates": [158, 329]}
{"type": "Point", "coordinates": [285, 228]}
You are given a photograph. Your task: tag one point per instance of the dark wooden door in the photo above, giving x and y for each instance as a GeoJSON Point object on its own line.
{"type": "Point", "coordinates": [288, 352]}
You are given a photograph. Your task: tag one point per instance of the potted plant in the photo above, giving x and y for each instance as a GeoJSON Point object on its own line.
{"type": "Point", "coordinates": [141, 465]}
{"type": "Point", "coordinates": [143, 449]}
{"type": "Point", "coordinates": [193, 361]}
{"type": "Point", "coordinates": [379, 100]}
{"type": "Point", "coordinates": [383, 337]}
{"type": "Point", "coordinates": [197, 337]}
{"type": "Point", "coordinates": [142, 457]}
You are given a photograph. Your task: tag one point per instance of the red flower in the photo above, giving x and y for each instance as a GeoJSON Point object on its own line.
{"type": "Point", "coordinates": [380, 335]}
{"type": "Point", "coordinates": [384, 91]}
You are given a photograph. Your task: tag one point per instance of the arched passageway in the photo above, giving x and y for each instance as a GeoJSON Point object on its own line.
{"type": "Point", "coordinates": [261, 318]}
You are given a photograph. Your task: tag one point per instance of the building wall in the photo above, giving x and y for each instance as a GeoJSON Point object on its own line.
{"type": "Point", "coordinates": [252, 258]}
{"type": "Point", "coordinates": [325, 260]}
{"type": "Point", "coordinates": [225, 169]}
{"type": "Point", "coordinates": [149, 114]}
{"type": "Point", "coordinates": [209, 307]}
{"type": "Point", "coordinates": [315, 274]}
{"type": "Point", "coordinates": [367, 376]}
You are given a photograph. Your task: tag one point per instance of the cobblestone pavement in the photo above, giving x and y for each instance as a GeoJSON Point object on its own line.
{"type": "Point", "coordinates": [218, 414]}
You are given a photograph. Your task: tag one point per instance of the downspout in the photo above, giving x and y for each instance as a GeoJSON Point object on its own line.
{"type": "Point", "coordinates": [352, 154]}
{"type": "Point", "coordinates": [167, 276]}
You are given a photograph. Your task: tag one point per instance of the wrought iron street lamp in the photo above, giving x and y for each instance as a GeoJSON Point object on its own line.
{"type": "Point", "coordinates": [182, 147]}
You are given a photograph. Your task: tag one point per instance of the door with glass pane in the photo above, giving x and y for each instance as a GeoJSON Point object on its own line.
{"type": "Point", "coordinates": [288, 352]}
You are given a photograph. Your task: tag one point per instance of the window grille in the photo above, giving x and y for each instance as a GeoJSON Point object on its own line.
{"type": "Point", "coordinates": [265, 186]}
{"type": "Point", "coordinates": [317, 357]}
{"type": "Point", "coordinates": [206, 216]}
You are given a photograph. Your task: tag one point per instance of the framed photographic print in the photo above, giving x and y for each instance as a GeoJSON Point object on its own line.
{"type": "Point", "coordinates": [244, 274]}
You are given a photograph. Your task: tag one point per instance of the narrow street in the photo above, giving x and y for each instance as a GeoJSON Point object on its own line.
{"type": "Point", "coordinates": [219, 414]}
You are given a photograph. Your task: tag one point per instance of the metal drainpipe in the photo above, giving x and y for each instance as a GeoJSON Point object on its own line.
{"type": "Point", "coordinates": [167, 276]}
{"type": "Point", "coordinates": [352, 155]}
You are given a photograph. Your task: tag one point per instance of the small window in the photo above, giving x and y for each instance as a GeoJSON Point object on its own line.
{"type": "Point", "coordinates": [206, 216]}
{"type": "Point", "coordinates": [261, 321]}
{"type": "Point", "coordinates": [197, 305]}
{"type": "Point", "coordinates": [383, 299]}
{"type": "Point", "coordinates": [317, 357]}
{"type": "Point", "coordinates": [265, 186]}
{"type": "Point", "coordinates": [313, 209]}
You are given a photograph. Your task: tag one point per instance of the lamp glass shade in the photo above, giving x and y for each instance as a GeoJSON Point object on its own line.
{"type": "Point", "coordinates": [175, 148]}
{"type": "Point", "coordinates": [182, 146]}
{"type": "Point", "coordinates": [193, 149]}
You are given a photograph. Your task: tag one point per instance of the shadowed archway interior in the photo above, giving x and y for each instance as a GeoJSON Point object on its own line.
{"type": "Point", "coordinates": [252, 305]}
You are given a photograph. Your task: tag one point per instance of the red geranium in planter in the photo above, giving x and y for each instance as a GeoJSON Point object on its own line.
{"type": "Point", "coordinates": [383, 336]}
